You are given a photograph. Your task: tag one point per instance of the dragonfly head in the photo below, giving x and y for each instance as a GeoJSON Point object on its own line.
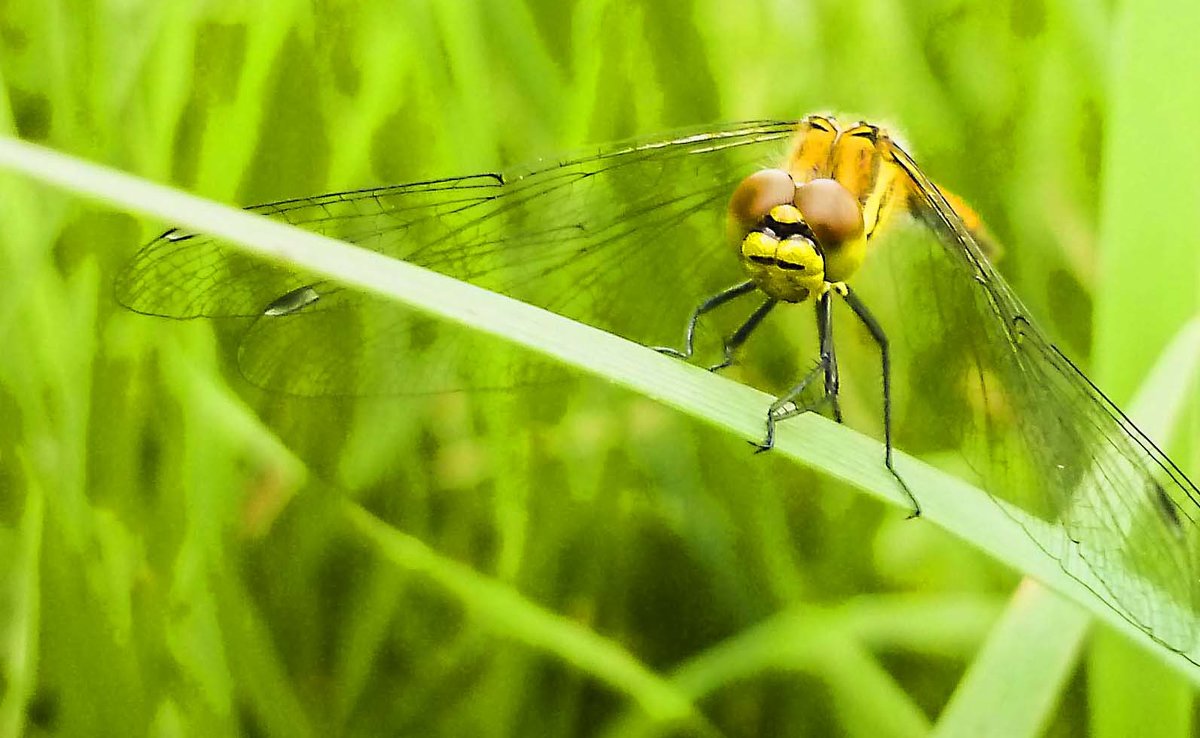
{"type": "Point", "coordinates": [793, 238]}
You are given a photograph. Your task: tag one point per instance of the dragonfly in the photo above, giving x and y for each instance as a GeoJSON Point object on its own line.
{"type": "Point", "coordinates": [656, 236]}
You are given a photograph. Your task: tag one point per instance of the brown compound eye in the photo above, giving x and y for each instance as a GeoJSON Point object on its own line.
{"type": "Point", "coordinates": [832, 213]}
{"type": "Point", "coordinates": [756, 195]}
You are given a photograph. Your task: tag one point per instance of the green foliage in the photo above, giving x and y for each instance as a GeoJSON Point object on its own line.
{"type": "Point", "coordinates": [184, 554]}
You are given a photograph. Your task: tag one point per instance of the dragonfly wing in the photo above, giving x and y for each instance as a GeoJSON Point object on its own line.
{"type": "Point", "coordinates": [183, 274]}
{"type": "Point", "coordinates": [346, 343]}
{"type": "Point", "coordinates": [628, 238]}
{"type": "Point", "coordinates": [1041, 436]}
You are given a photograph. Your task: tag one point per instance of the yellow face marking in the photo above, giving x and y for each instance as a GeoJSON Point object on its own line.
{"type": "Point", "coordinates": [787, 214]}
{"type": "Point", "coordinates": [790, 269]}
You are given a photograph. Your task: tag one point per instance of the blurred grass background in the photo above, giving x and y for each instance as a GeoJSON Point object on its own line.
{"type": "Point", "coordinates": [173, 548]}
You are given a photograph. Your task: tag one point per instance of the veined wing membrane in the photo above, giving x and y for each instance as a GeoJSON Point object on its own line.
{"type": "Point", "coordinates": [624, 239]}
{"type": "Point", "coordinates": [1040, 435]}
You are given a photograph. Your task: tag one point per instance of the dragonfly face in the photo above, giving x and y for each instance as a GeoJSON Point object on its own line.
{"type": "Point", "coordinates": [782, 257]}
{"type": "Point", "coordinates": [630, 237]}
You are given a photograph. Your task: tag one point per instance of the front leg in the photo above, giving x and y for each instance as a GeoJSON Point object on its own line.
{"type": "Point", "coordinates": [828, 355]}
{"type": "Point", "coordinates": [734, 342]}
{"type": "Point", "coordinates": [780, 410]}
{"type": "Point", "coordinates": [717, 300]}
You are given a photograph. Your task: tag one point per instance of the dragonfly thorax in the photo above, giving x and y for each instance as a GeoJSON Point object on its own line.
{"type": "Point", "coordinates": [794, 240]}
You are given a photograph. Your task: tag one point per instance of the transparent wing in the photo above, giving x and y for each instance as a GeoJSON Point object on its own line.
{"type": "Point", "coordinates": [628, 238]}
{"type": "Point", "coordinates": [1040, 435]}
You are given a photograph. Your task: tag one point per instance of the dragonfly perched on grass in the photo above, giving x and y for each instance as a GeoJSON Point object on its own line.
{"type": "Point", "coordinates": [644, 239]}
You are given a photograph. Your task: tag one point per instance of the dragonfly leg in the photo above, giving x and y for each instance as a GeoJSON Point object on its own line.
{"type": "Point", "coordinates": [777, 411]}
{"type": "Point", "coordinates": [743, 332]}
{"type": "Point", "coordinates": [827, 365]}
{"type": "Point", "coordinates": [880, 337]}
{"type": "Point", "coordinates": [711, 303]}
{"type": "Point", "coordinates": [828, 356]}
